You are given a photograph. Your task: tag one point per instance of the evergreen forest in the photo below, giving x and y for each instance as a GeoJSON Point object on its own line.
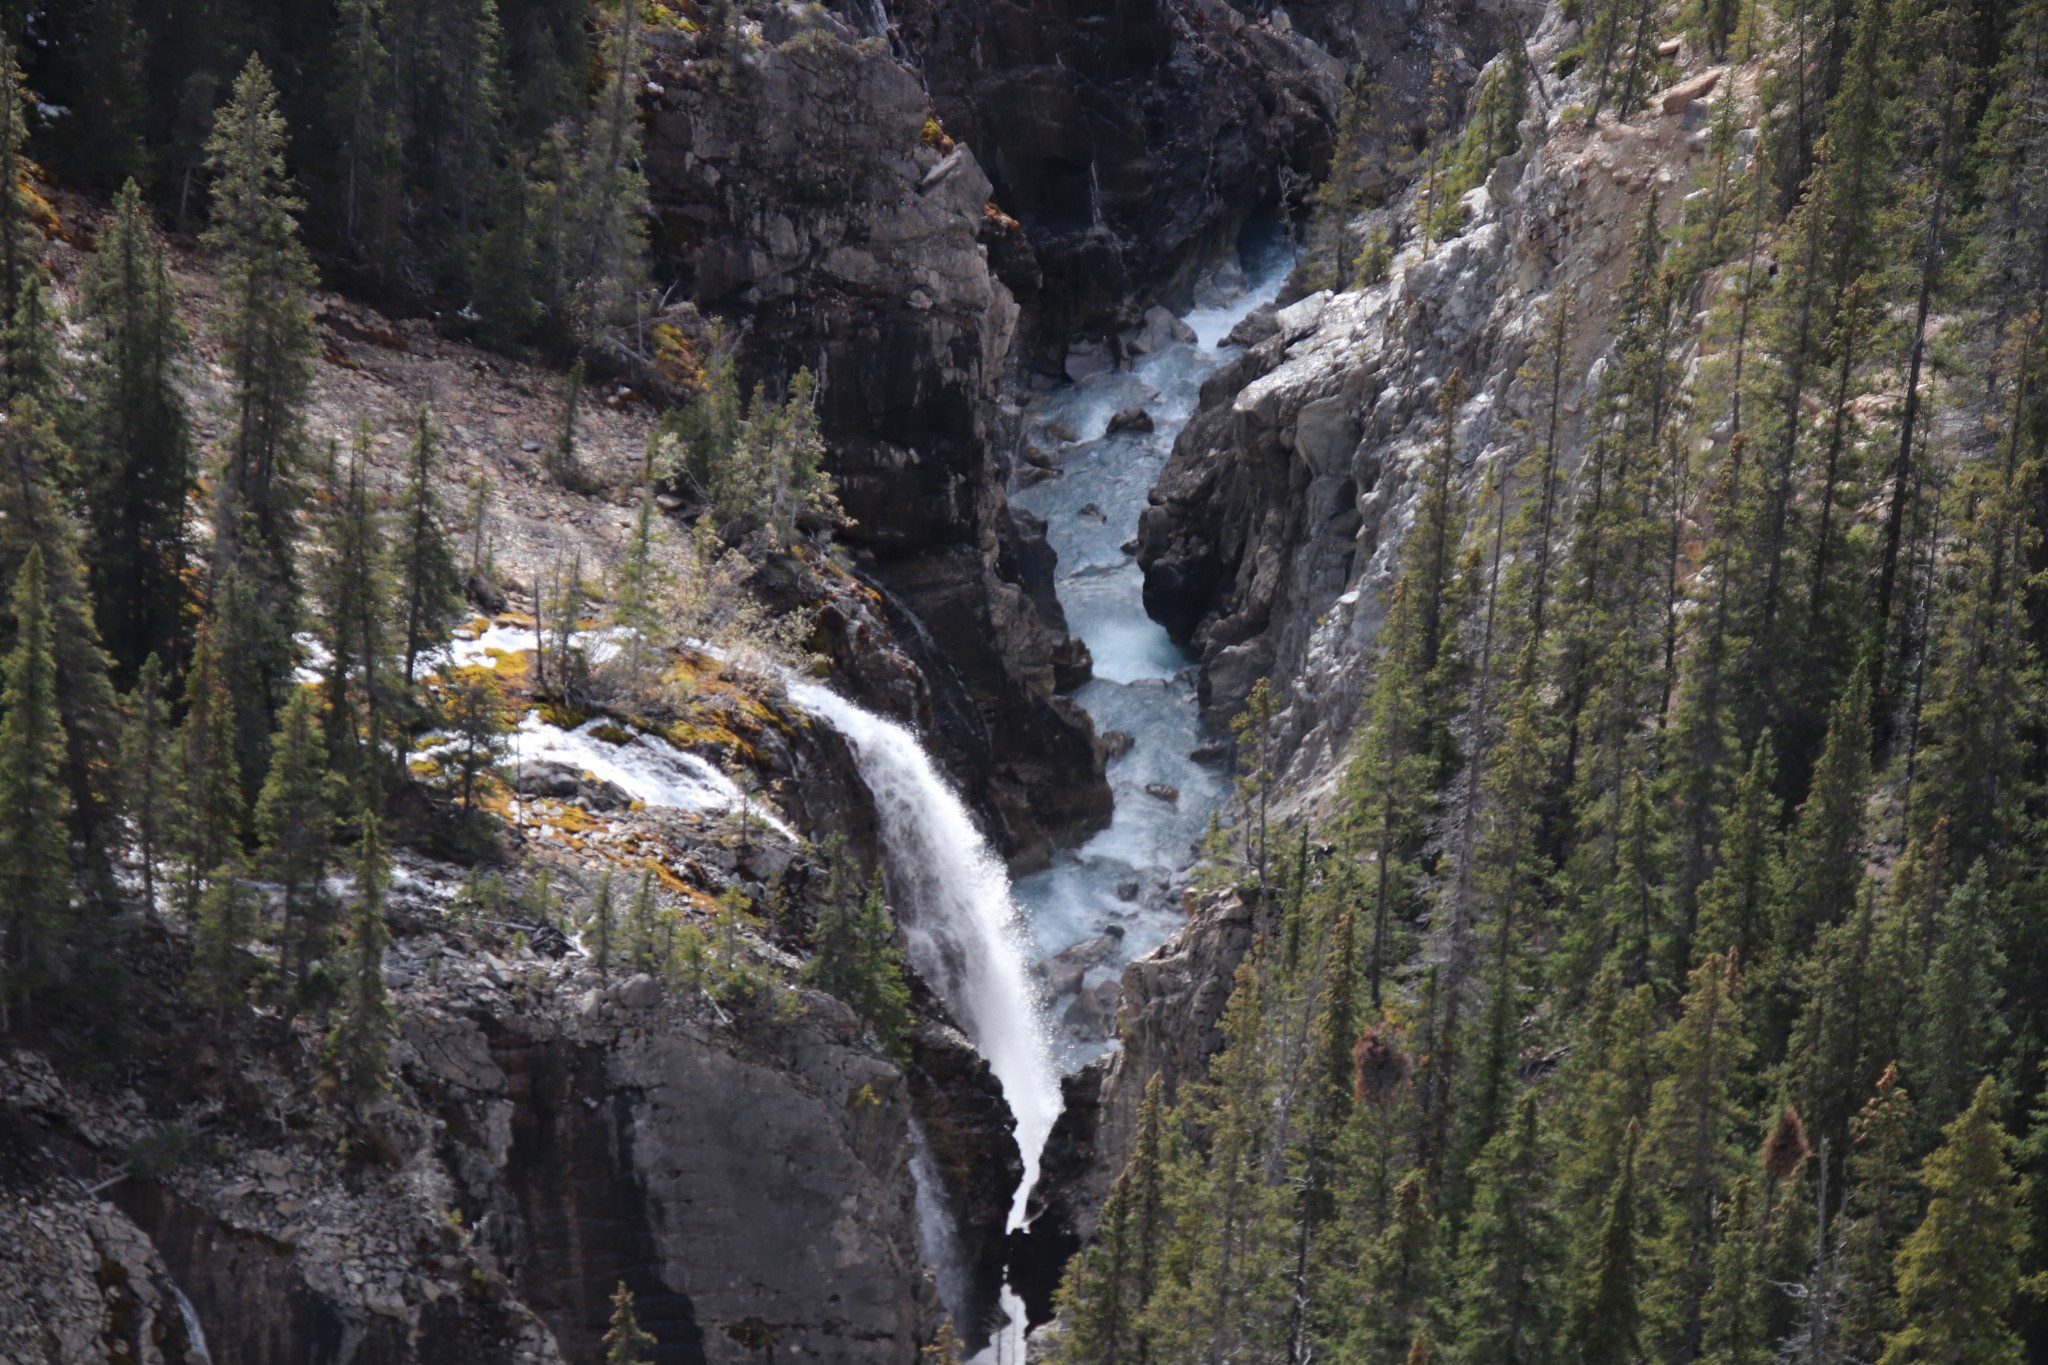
{"type": "Point", "coordinates": [1664, 980]}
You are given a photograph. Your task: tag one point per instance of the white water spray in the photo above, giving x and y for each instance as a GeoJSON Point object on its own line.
{"type": "Point", "coordinates": [938, 1237]}
{"type": "Point", "coordinates": [966, 935]}
{"type": "Point", "coordinates": [195, 1335]}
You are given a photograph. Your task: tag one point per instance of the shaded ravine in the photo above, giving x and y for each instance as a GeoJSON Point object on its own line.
{"type": "Point", "coordinates": [971, 933]}
{"type": "Point", "coordinates": [1124, 878]}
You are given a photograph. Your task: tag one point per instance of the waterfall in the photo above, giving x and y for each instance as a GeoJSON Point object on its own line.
{"type": "Point", "coordinates": [195, 1335]}
{"type": "Point", "coordinates": [966, 936]}
{"type": "Point", "coordinates": [938, 1237]}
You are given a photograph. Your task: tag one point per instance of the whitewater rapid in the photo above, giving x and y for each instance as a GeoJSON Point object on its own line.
{"type": "Point", "coordinates": [1144, 684]}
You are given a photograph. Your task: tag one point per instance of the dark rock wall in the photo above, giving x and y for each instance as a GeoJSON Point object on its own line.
{"type": "Point", "coordinates": [798, 198]}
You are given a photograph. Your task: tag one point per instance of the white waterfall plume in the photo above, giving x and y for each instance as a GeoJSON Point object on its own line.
{"type": "Point", "coordinates": [966, 936]}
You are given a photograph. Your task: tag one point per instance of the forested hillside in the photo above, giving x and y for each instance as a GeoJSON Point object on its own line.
{"type": "Point", "coordinates": [1663, 980]}
{"type": "Point", "coordinates": [1623, 549]}
{"type": "Point", "coordinates": [451, 155]}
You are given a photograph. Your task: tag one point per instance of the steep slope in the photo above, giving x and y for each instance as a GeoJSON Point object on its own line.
{"type": "Point", "coordinates": [1276, 526]}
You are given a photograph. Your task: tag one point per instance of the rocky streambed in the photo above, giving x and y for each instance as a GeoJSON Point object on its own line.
{"type": "Point", "coordinates": [1093, 452]}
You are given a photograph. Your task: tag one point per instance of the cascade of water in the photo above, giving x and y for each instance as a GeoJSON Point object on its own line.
{"type": "Point", "coordinates": [938, 1237]}
{"type": "Point", "coordinates": [195, 1335]}
{"type": "Point", "coordinates": [966, 936]}
{"type": "Point", "coordinates": [1143, 686]}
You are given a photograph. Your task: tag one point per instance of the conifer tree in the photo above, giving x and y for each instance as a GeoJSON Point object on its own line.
{"type": "Point", "coordinates": [637, 594]}
{"type": "Point", "coordinates": [34, 517]}
{"type": "Point", "coordinates": [354, 578]}
{"type": "Point", "coordinates": [1959, 1024]}
{"type": "Point", "coordinates": [642, 947]}
{"type": "Point", "coordinates": [1604, 1326]}
{"type": "Point", "coordinates": [223, 922]}
{"type": "Point", "coordinates": [1959, 1271]}
{"type": "Point", "coordinates": [1107, 1287]}
{"type": "Point", "coordinates": [1737, 1323]}
{"type": "Point", "coordinates": [1823, 863]}
{"type": "Point", "coordinates": [1879, 1204]}
{"type": "Point", "coordinates": [294, 829]}
{"type": "Point", "coordinates": [1613, 609]}
{"type": "Point", "coordinates": [36, 875]}
{"type": "Point", "coordinates": [1946, 83]}
{"type": "Point", "coordinates": [359, 1047]}
{"type": "Point", "coordinates": [97, 54]}
{"type": "Point", "coordinates": [20, 247]}
{"type": "Point", "coordinates": [601, 922]}
{"type": "Point", "coordinates": [1223, 1268]}
{"type": "Point", "coordinates": [134, 443]}
{"type": "Point", "coordinates": [1537, 524]}
{"type": "Point", "coordinates": [34, 369]}
{"type": "Point", "coordinates": [149, 788]}
{"type": "Point", "coordinates": [1505, 1294]}
{"type": "Point", "coordinates": [473, 710]}
{"type": "Point", "coordinates": [212, 805]}
{"type": "Point", "coordinates": [1733, 903]}
{"type": "Point", "coordinates": [266, 277]}
{"type": "Point", "coordinates": [1695, 1113]}
{"type": "Point", "coordinates": [625, 1342]}
{"type": "Point", "coordinates": [1399, 1277]}
{"type": "Point", "coordinates": [1825, 320]}
{"type": "Point", "coordinates": [502, 286]}
{"type": "Point", "coordinates": [1847, 1030]}
{"type": "Point", "coordinates": [591, 225]}
{"type": "Point", "coordinates": [562, 465]}
{"type": "Point", "coordinates": [1605, 1088]}
{"type": "Point", "coordinates": [429, 584]}
{"type": "Point", "coordinates": [854, 951]}
{"type": "Point", "coordinates": [1402, 748]}
{"type": "Point", "coordinates": [366, 117]}
{"type": "Point", "coordinates": [1984, 680]}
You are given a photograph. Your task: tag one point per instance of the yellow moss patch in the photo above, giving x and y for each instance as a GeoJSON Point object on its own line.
{"type": "Point", "coordinates": [562, 717]}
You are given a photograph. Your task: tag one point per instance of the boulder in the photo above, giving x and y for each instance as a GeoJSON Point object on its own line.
{"type": "Point", "coordinates": [1132, 418]}
{"type": "Point", "coordinates": [1676, 99]}
{"type": "Point", "coordinates": [1160, 330]}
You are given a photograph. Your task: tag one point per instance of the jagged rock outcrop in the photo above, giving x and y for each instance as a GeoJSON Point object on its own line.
{"type": "Point", "coordinates": [1135, 138]}
{"type": "Point", "coordinates": [1275, 527]}
{"type": "Point", "coordinates": [1168, 1021]}
{"type": "Point", "coordinates": [799, 197]}
{"type": "Point", "coordinates": [971, 1135]}
{"type": "Point", "coordinates": [550, 1137]}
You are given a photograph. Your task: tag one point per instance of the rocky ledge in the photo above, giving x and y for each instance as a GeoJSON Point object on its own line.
{"type": "Point", "coordinates": [1168, 1021]}
{"type": "Point", "coordinates": [1275, 527]}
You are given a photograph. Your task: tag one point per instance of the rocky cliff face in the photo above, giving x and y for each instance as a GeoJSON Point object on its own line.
{"type": "Point", "coordinates": [737, 1151]}
{"type": "Point", "coordinates": [1275, 528]}
{"type": "Point", "coordinates": [550, 1137]}
{"type": "Point", "coordinates": [916, 201]}
{"type": "Point", "coordinates": [800, 197]}
{"type": "Point", "coordinates": [1135, 138]}
{"type": "Point", "coordinates": [1168, 1022]}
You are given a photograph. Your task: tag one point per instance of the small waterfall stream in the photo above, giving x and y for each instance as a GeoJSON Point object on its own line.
{"type": "Point", "coordinates": [972, 935]}
{"type": "Point", "coordinates": [965, 933]}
